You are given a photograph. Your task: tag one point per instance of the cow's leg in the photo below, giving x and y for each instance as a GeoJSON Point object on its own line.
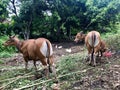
{"type": "Point", "coordinates": [90, 59]}
{"type": "Point", "coordinates": [101, 53]}
{"type": "Point", "coordinates": [54, 70]}
{"type": "Point", "coordinates": [46, 71]}
{"type": "Point", "coordinates": [94, 59]}
{"type": "Point", "coordinates": [26, 63]}
{"type": "Point", "coordinates": [52, 65]}
{"type": "Point", "coordinates": [45, 68]}
{"type": "Point", "coordinates": [89, 54]}
{"type": "Point", "coordinates": [95, 55]}
{"type": "Point", "coordinates": [49, 64]}
{"type": "Point", "coordinates": [98, 54]}
{"type": "Point", "coordinates": [34, 61]}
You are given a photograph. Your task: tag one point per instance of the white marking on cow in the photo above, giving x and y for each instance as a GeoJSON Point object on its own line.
{"type": "Point", "coordinates": [44, 49]}
{"type": "Point", "coordinates": [96, 42]}
{"type": "Point", "coordinates": [91, 42]}
{"type": "Point", "coordinates": [51, 50]}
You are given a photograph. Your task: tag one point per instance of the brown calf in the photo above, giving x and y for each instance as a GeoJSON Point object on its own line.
{"type": "Point", "coordinates": [80, 37]}
{"type": "Point", "coordinates": [103, 48]}
{"type": "Point", "coordinates": [93, 44]}
{"type": "Point", "coordinates": [34, 49]}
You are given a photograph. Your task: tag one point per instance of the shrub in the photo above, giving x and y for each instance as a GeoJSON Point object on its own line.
{"type": "Point", "coordinates": [5, 51]}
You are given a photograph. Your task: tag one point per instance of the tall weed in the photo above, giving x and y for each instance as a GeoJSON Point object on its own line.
{"type": "Point", "coordinates": [5, 51]}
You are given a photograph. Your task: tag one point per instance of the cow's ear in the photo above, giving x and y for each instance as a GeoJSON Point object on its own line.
{"type": "Point", "coordinates": [10, 37]}
{"type": "Point", "coordinates": [13, 36]}
{"type": "Point", "coordinates": [81, 32]}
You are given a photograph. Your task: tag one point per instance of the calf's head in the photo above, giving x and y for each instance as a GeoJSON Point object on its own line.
{"type": "Point", "coordinates": [103, 46]}
{"type": "Point", "coordinates": [79, 37]}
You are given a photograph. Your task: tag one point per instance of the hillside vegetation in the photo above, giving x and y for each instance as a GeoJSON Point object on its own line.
{"type": "Point", "coordinates": [59, 21]}
{"type": "Point", "coordinates": [73, 72]}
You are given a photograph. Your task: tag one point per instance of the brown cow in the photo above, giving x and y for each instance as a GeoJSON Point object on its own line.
{"type": "Point", "coordinates": [80, 37]}
{"type": "Point", "coordinates": [93, 44]}
{"type": "Point", "coordinates": [34, 49]}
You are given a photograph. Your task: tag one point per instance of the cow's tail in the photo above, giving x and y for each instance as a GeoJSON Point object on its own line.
{"type": "Point", "coordinates": [93, 43]}
{"type": "Point", "coordinates": [48, 56]}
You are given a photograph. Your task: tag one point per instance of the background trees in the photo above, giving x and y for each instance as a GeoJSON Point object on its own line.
{"type": "Point", "coordinates": [57, 19]}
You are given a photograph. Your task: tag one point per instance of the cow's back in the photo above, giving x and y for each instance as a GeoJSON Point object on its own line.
{"type": "Point", "coordinates": [93, 38]}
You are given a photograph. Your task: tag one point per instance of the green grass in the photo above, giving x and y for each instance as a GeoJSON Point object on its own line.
{"type": "Point", "coordinates": [6, 54]}
{"type": "Point", "coordinates": [70, 69]}
{"type": "Point", "coordinates": [1, 62]}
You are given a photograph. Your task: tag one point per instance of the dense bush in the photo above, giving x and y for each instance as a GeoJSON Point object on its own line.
{"type": "Point", "coordinates": [113, 38]}
{"type": "Point", "coordinates": [58, 19]}
{"type": "Point", "coordinates": [5, 51]}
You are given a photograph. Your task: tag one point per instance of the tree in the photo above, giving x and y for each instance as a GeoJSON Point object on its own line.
{"type": "Point", "coordinates": [59, 19]}
{"type": "Point", "coordinates": [102, 13]}
{"type": "Point", "coordinates": [3, 16]}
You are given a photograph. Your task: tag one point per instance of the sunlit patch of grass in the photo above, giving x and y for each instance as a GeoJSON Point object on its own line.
{"type": "Point", "coordinates": [1, 62]}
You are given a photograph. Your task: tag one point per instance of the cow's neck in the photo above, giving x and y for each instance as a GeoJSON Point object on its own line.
{"type": "Point", "coordinates": [84, 35]}
{"type": "Point", "coordinates": [19, 45]}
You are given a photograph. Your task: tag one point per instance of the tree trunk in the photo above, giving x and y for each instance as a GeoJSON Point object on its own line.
{"type": "Point", "coordinates": [68, 32]}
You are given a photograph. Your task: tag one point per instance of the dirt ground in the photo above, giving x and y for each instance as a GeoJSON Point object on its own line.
{"type": "Point", "coordinates": [102, 82]}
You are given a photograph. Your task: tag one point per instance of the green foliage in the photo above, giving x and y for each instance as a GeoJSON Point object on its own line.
{"type": "Point", "coordinates": [102, 13]}
{"type": "Point", "coordinates": [61, 18]}
{"type": "Point", "coordinates": [5, 51]}
{"type": "Point", "coordinates": [1, 62]}
{"type": "Point", "coordinates": [3, 10]}
{"type": "Point", "coordinates": [113, 38]}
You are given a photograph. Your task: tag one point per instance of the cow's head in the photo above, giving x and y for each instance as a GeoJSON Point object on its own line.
{"type": "Point", "coordinates": [12, 40]}
{"type": "Point", "coordinates": [79, 37]}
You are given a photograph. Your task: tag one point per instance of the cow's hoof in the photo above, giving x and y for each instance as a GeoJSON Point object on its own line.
{"type": "Point", "coordinates": [50, 70]}
{"type": "Point", "coordinates": [94, 65]}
